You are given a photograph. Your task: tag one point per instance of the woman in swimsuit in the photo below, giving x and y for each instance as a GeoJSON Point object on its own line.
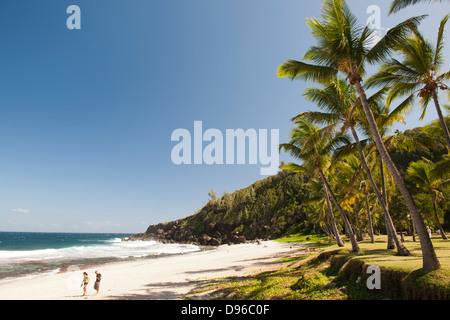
{"type": "Point", "coordinates": [85, 282]}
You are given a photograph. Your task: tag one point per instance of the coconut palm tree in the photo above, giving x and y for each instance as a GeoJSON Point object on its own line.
{"type": "Point", "coordinates": [308, 167]}
{"type": "Point", "coordinates": [313, 145]}
{"type": "Point", "coordinates": [365, 190]}
{"type": "Point", "coordinates": [344, 47]}
{"type": "Point", "coordinates": [385, 118]}
{"type": "Point", "coordinates": [396, 5]}
{"type": "Point", "coordinates": [347, 174]}
{"type": "Point", "coordinates": [420, 173]}
{"type": "Point", "coordinates": [320, 199]}
{"type": "Point", "coordinates": [339, 101]}
{"type": "Point", "coordinates": [419, 72]}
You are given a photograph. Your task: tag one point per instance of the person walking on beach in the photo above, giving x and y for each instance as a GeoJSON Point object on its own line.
{"type": "Point", "coordinates": [429, 231]}
{"type": "Point", "coordinates": [85, 282]}
{"type": "Point", "coordinates": [98, 278]}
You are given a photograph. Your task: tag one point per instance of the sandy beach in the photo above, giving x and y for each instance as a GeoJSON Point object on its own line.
{"type": "Point", "coordinates": [164, 278]}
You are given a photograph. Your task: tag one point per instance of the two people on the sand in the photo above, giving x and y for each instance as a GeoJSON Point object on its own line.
{"type": "Point", "coordinates": [98, 278]}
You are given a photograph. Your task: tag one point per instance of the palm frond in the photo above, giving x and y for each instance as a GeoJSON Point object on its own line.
{"type": "Point", "coordinates": [439, 52]}
{"type": "Point", "coordinates": [397, 5]}
{"type": "Point", "coordinates": [294, 69]}
{"type": "Point", "coordinates": [442, 168]}
{"type": "Point", "coordinates": [444, 76]}
{"type": "Point", "coordinates": [410, 143]}
{"type": "Point", "coordinates": [401, 89]}
{"type": "Point", "coordinates": [424, 101]}
{"type": "Point", "coordinates": [347, 150]}
{"type": "Point", "coordinates": [435, 128]}
{"type": "Point", "coordinates": [385, 46]}
{"type": "Point", "coordinates": [399, 112]}
{"type": "Point", "coordinates": [321, 118]}
{"type": "Point", "coordinates": [292, 149]}
{"type": "Point", "coordinates": [293, 167]}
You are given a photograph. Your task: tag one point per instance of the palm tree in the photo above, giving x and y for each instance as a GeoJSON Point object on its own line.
{"type": "Point", "coordinates": [419, 72]}
{"type": "Point", "coordinates": [345, 47]}
{"type": "Point", "coordinates": [385, 117]}
{"type": "Point", "coordinates": [343, 178]}
{"type": "Point", "coordinates": [321, 202]}
{"type": "Point", "coordinates": [420, 173]}
{"type": "Point", "coordinates": [364, 188]}
{"type": "Point", "coordinates": [396, 5]}
{"type": "Point", "coordinates": [312, 145]}
{"type": "Point", "coordinates": [339, 100]}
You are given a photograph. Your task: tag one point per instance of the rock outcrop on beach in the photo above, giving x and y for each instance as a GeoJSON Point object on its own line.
{"type": "Point", "coordinates": [267, 209]}
{"type": "Point", "coordinates": [178, 232]}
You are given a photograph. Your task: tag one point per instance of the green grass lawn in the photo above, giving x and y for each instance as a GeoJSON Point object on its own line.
{"type": "Point", "coordinates": [377, 254]}
{"type": "Point", "coordinates": [306, 277]}
{"type": "Point", "coordinates": [315, 238]}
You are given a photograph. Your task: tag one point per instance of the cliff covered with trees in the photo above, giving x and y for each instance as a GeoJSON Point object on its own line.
{"type": "Point", "coordinates": [269, 208]}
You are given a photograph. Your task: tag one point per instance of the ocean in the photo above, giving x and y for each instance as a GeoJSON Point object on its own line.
{"type": "Point", "coordinates": [30, 254]}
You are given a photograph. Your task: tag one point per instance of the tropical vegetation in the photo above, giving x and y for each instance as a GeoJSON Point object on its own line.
{"type": "Point", "coordinates": [343, 52]}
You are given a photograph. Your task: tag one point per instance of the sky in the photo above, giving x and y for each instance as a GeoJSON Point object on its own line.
{"type": "Point", "coordinates": [86, 115]}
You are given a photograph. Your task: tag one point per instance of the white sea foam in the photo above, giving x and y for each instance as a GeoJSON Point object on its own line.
{"type": "Point", "coordinates": [114, 248]}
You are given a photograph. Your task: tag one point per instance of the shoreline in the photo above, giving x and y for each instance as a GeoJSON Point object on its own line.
{"type": "Point", "coordinates": [161, 278]}
{"type": "Point", "coordinates": [58, 267]}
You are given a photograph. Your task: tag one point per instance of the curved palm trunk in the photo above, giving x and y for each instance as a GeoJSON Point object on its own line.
{"type": "Point", "coordinates": [441, 118]}
{"type": "Point", "coordinates": [390, 242]}
{"type": "Point", "coordinates": [429, 259]}
{"type": "Point", "coordinates": [436, 216]}
{"type": "Point", "coordinates": [401, 249]}
{"type": "Point", "coordinates": [359, 234]}
{"type": "Point", "coordinates": [325, 228]}
{"type": "Point", "coordinates": [369, 216]}
{"type": "Point", "coordinates": [348, 227]}
{"type": "Point", "coordinates": [332, 220]}
{"type": "Point", "coordinates": [413, 228]}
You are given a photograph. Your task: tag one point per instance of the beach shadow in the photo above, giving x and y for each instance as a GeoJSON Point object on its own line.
{"type": "Point", "coordinates": [157, 291]}
{"type": "Point", "coordinates": [215, 270]}
{"type": "Point", "coordinates": [171, 290]}
{"type": "Point", "coordinates": [81, 297]}
{"type": "Point", "coordinates": [208, 270]}
{"type": "Point", "coordinates": [267, 261]}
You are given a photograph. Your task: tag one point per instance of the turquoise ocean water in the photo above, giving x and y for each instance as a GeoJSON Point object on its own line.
{"type": "Point", "coordinates": [30, 254]}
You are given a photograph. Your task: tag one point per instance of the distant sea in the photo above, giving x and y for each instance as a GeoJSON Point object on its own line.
{"type": "Point", "coordinates": [30, 254]}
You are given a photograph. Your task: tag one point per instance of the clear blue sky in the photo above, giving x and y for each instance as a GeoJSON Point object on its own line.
{"type": "Point", "coordinates": [86, 116]}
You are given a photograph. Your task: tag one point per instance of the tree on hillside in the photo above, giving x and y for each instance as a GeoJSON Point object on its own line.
{"type": "Point", "coordinates": [212, 194]}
